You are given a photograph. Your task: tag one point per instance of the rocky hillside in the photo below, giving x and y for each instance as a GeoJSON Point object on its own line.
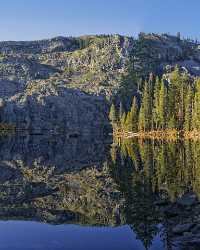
{"type": "Point", "coordinates": [64, 82]}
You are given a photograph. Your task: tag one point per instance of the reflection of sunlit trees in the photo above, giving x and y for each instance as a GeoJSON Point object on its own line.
{"type": "Point", "coordinates": [196, 167]}
{"type": "Point", "coordinates": [138, 211]}
{"type": "Point", "coordinates": [150, 170]}
{"type": "Point", "coordinates": [171, 166]}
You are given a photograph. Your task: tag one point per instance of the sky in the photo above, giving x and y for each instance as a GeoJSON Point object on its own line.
{"type": "Point", "coordinates": [38, 19]}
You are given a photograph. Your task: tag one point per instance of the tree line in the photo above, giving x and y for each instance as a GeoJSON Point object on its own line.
{"type": "Point", "coordinates": [170, 102]}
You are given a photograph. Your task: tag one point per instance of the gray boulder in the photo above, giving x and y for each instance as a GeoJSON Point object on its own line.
{"type": "Point", "coordinates": [182, 228]}
{"type": "Point", "coordinates": [187, 200]}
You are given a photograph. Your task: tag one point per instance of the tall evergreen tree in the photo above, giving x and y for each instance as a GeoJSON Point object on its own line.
{"type": "Point", "coordinates": [134, 114]}
{"type": "Point", "coordinates": [188, 109]}
{"type": "Point", "coordinates": [113, 115]}
{"type": "Point", "coordinates": [121, 110]}
{"type": "Point", "coordinates": [123, 121]}
{"type": "Point", "coordinates": [156, 104]}
{"type": "Point", "coordinates": [162, 108]}
{"type": "Point", "coordinates": [175, 104]}
{"type": "Point", "coordinates": [171, 119]}
{"type": "Point", "coordinates": [184, 83]}
{"type": "Point", "coordinates": [132, 117]}
{"type": "Point", "coordinates": [145, 116]}
{"type": "Point", "coordinates": [196, 110]}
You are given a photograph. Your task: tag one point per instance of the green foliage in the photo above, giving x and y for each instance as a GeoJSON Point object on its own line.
{"type": "Point", "coordinates": [172, 103]}
{"type": "Point", "coordinates": [156, 106]}
{"type": "Point", "coordinates": [145, 116]}
{"type": "Point", "coordinates": [162, 108]}
{"type": "Point", "coordinates": [188, 109]}
{"type": "Point", "coordinates": [196, 110]}
{"type": "Point", "coordinates": [123, 120]}
{"type": "Point", "coordinates": [132, 117]}
{"type": "Point", "coordinates": [113, 114]}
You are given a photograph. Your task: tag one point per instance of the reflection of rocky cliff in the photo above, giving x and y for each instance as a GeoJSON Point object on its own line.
{"type": "Point", "coordinates": [87, 197]}
{"type": "Point", "coordinates": [56, 179]}
{"type": "Point", "coordinates": [56, 152]}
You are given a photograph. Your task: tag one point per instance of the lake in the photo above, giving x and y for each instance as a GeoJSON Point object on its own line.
{"type": "Point", "coordinates": [91, 193]}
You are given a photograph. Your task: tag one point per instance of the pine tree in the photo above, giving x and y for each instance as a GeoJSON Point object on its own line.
{"type": "Point", "coordinates": [183, 89]}
{"type": "Point", "coordinates": [162, 108]}
{"type": "Point", "coordinates": [132, 117]}
{"type": "Point", "coordinates": [145, 116]}
{"type": "Point", "coordinates": [196, 110]}
{"type": "Point", "coordinates": [121, 110]}
{"type": "Point", "coordinates": [178, 35]}
{"type": "Point", "coordinates": [156, 104]}
{"type": "Point", "coordinates": [174, 100]}
{"type": "Point", "coordinates": [128, 122]}
{"type": "Point", "coordinates": [113, 115]}
{"type": "Point", "coordinates": [123, 121]}
{"type": "Point", "coordinates": [188, 109]}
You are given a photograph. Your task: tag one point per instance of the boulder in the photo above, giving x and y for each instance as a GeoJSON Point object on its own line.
{"type": "Point", "coordinates": [189, 199]}
{"type": "Point", "coordinates": [182, 228]}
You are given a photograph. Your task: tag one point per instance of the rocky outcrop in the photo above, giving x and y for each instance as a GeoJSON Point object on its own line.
{"type": "Point", "coordinates": [21, 69]}
{"type": "Point", "coordinates": [54, 108]}
{"type": "Point", "coordinates": [154, 52]}
{"type": "Point", "coordinates": [41, 46]}
{"type": "Point", "coordinates": [181, 221]}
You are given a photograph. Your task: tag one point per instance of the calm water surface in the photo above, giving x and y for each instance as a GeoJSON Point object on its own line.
{"type": "Point", "coordinates": [85, 193]}
{"type": "Point", "coordinates": [20, 235]}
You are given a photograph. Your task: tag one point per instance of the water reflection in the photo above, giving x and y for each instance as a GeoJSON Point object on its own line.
{"type": "Point", "coordinates": [170, 167]}
{"type": "Point", "coordinates": [148, 185]}
{"type": "Point", "coordinates": [159, 181]}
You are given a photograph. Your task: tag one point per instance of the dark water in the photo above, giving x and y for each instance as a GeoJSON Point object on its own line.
{"type": "Point", "coordinates": [87, 193]}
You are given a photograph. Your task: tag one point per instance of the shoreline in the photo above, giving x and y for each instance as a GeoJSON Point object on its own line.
{"type": "Point", "coordinates": [159, 134]}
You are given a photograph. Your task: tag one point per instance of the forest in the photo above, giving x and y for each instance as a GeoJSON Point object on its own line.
{"type": "Point", "coordinates": [168, 104]}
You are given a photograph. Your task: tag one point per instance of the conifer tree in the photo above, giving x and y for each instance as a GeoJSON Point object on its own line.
{"type": "Point", "coordinates": [145, 116]}
{"type": "Point", "coordinates": [128, 123]}
{"type": "Point", "coordinates": [162, 108]}
{"type": "Point", "coordinates": [113, 115]}
{"type": "Point", "coordinates": [171, 119]}
{"type": "Point", "coordinates": [123, 121]}
{"type": "Point", "coordinates": [121, 110]}
{"type": "Point", "coordinates": [156, 104]}
{"type": "Point", "coordinates": [183, 91]}
{"type": "Point", "coordinates": [188, 109]}
{"type": "Point", "coordinates": [132, 117]}
{"type": "Point", "coordinates": [196, 110]}
{"type": "Point", "coordinates": [174, 99]}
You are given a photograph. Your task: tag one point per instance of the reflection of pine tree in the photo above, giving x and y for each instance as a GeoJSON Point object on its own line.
{"type": "Point", "coordinates": [141, 214]}
{"type": "Point", "coordinates": [139, 211]}
{"type": "Point", "coordinates": [167, 240]}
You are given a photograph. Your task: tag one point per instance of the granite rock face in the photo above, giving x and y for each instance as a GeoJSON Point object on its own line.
{"type": "Point", "coordinates": [55, 108]}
